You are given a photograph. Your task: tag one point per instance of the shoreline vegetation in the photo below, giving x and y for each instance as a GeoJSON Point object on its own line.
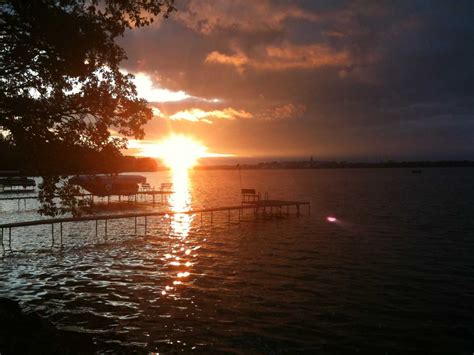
{"type": "Point", "coordinates": [124, 164]}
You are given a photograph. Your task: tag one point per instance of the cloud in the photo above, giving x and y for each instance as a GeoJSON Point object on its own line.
{"type": "Point", "coordinates": [355, 66]}
{"type": "Point", "coordinates": [283, 112]}
{"type": "Point", "coordinates": [200, 115]}
{"type": "Point", "coordinates": [148, 90]}
{"type": "Point", "coordinates": [285, 56]}
{"type": "Point", "coordinates": [238, 60]}
{"type": "Point", "coordinates": [207, 17]}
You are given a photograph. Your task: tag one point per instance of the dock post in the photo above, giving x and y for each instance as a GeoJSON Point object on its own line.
{"type": "Point", "coordinates": [201, 218]}
{"type": "Point", "coordinates": [212, 215]}
{"type": "Point", "coordinates": [145, 224]}
{"type": "Point", "coordinates": [18, 204]}
{"type": "Point", "coordinates": [120, 198]}
{"type": "Point", "coordinates": [10, 238]}
{"type": "Point", "coordinates": [96, 227]}
{"type": "Point", "coordinates": [25, 203]}
{"type": "Point", "coordinates": [61, 233]}
{"type": "Point", "coordinates": [3, 246]}
{"type": "Point", "coordinates": [135, 224]}
{"type": "Point", "coordinates": [52, 234]}
{"type": "Point", "coordinates": [105, 227]}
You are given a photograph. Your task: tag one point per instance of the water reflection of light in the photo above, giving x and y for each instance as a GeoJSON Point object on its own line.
{"type": "Point", "coordinates": [180, 226]}
{"type": "Point", "coordinates": [180, 200]}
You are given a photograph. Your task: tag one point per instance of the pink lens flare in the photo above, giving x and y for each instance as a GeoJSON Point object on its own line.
{"type": "Point", "coordinates": [331, 219]}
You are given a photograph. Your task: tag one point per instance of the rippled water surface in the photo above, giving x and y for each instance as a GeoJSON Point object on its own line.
{"type": "Point", "coordinates": [394, 274]}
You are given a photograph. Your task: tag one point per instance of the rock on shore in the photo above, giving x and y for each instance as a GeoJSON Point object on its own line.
{"type": "Point", "coordinates": [28, 333]}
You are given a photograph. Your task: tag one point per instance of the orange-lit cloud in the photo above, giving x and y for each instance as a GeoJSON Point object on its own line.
{"type": "Point", "coordinates": [208, 16]}
{"type": "Point", "coordinates": [283, 112]}
{"type": "Point", "coordinates": [286, 56]}
{"type": "Point", "coordinates": [237, 60]}
{"type": "Point", "coordinates": [199, 115]}
{"type": "Point", "coordinates": [275, 113]}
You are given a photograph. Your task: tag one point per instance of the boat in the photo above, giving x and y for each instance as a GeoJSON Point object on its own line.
{"type": "Point", "coordinates": [107, 185]}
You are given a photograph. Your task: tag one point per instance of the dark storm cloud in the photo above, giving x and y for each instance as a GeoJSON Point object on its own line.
{"type": "Point", "coordinates": [329, 78]}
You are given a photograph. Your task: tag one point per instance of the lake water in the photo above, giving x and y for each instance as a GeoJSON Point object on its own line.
{"type": "Point", "coordinates": [394, 274]}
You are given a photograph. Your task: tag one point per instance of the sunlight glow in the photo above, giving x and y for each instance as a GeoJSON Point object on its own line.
{"type": "Point", "coordinates": [178, 152]}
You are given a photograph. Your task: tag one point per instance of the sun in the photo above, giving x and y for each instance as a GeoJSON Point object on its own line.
{"type": "Point", "coordinates": [177, 151]}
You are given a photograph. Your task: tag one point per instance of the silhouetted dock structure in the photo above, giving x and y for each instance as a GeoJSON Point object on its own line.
{"type": "Point", "coordinates": [259, 208]}
{"type": "Point", "coordinates": [141, 197]}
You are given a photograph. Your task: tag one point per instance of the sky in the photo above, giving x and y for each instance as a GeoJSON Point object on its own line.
{"type": "Point", "coordinates": [332, 79]}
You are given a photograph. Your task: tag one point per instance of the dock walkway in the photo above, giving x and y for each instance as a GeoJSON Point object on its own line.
{"type": "Point", "coordinates": [135, 198]}
{"type": "Point", "coordinates": [264, 207]}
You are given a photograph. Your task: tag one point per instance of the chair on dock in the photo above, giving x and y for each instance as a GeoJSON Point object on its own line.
{"type": "Point", "coordinates": [166, 187]}
{"type": "Point", "coordinates": [250, 196]}
{"type": "Point", "coordinates": [145, 186]}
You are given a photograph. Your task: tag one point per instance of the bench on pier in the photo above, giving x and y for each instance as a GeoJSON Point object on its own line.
{"type": "Point", "coordinates": [250, 196]}
{"type": "Point", "coordinates": [145, 186]}
{"type": "Point", "coordinates": [166, 186]}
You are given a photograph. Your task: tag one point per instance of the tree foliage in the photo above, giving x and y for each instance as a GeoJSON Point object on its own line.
{"type": "Point", "coordinates": [61, 86]}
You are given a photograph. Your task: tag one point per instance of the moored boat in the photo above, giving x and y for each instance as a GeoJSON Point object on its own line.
{"type": "Point", "coordinates": [106, 185]}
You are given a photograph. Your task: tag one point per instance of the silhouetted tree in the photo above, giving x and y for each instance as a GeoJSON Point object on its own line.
{"type": "Point", "coordinates": [61, 87]}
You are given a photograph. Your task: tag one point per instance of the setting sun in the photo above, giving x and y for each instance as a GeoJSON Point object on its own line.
{"type": "Point", "coordinates": [176, 151]}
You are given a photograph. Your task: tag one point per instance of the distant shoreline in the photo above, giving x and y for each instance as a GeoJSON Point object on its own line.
{"type": "Point", "coordinates": [273, 165]}
{"type": "Point", "coordinates": [297, 165]}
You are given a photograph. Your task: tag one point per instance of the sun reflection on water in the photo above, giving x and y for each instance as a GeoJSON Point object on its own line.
{"type": "Point", "coordinates": [180, 255]}
{"type": "Point", "coordinates": [180, 200]}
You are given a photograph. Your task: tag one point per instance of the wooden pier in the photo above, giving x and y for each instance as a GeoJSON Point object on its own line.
{"type": "Point", "coordinates": [265, 208]}
{"type": "Point", "coordinates": [134, 199]}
